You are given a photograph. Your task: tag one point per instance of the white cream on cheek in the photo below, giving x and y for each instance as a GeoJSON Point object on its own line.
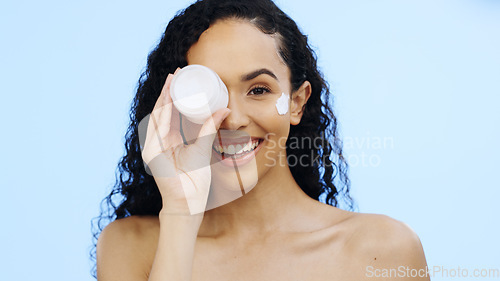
{"type": "Point", "coordinates": [282, 104]}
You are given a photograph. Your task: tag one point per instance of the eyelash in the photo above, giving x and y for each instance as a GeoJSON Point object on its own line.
{"type": "Point", "coordinates": [264, 88]}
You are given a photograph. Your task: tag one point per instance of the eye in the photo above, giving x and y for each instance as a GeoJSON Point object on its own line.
{"type": "Point", "coordinates": [259, 90]}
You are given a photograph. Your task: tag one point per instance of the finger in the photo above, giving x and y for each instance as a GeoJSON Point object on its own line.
{"type": "Point", "coordinates": [151, 119]}
{"type": "Point", "coordinates": [150, 137]}
{"type": "Point", "coordinates": [165, 97]}
{"type": "Point", "coordinates": [161, 99]}
{"type": "Point", "coordinates": [174, 113]}
{"type": "Point", "coordinates": [159, 118]}
{"type": "Point", "coordinates": [169, 122]}
{"type": "Point", "coordinates": [210, 128]}
{"type": "Point", "coordinates": [159, 123]}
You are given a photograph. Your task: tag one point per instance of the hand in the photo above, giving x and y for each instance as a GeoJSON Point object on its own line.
{"type": "Point", "coordinates": [182, 172]}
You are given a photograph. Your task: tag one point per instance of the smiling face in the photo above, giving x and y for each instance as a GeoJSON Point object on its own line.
{"type": "Point", "coordinates": [248, 62]}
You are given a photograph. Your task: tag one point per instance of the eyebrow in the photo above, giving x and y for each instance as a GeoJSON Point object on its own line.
{"type": "Point", "coordinates": [252, 75]}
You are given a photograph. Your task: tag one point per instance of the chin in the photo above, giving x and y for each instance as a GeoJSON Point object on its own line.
{"type": "Point", "coordinates": [229, 183]}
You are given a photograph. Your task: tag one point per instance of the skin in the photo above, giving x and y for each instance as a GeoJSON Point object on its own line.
{"type": "Point", "coordinates": [274, 232]}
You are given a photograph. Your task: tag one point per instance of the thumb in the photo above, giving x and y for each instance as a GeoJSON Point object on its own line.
{"type": "Point", "coordinates": [209, 129]}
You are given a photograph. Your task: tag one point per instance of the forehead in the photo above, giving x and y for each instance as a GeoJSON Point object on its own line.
{"type": "Point", "coordinates": [235, 47]}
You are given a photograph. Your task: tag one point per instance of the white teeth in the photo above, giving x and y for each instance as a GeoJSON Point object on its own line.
{"type": "Point", "coordinates": [246, 147]}
{"type": "Point", "coordinates": [237, 149]}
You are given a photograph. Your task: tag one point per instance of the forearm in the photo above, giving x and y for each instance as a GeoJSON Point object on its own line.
{"type": "Point", "coordinates": [175, 252]}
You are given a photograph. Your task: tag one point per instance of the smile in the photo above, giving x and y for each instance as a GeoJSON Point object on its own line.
{"type": "Point", "coordinates": [236, 150]}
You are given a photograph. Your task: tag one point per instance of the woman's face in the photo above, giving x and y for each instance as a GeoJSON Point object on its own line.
{"type": "Point", "coordinates": [248, 62]}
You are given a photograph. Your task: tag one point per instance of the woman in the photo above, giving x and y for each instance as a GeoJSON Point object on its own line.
{"type": "Point", "coordinates": [168, 226]}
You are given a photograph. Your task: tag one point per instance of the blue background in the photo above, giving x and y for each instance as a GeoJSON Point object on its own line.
{"type": "Point", "coordinates": [422, 75]}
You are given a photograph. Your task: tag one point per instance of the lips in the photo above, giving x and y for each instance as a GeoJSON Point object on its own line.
{"type": "Point", "coordinates": [235, 148]}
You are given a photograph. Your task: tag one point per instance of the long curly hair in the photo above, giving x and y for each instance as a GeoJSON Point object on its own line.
{"type": "Point", "coordinates": [135, 191]}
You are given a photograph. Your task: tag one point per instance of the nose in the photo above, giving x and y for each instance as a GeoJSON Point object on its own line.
{"type": "Point", "coordinates": [238, 118]}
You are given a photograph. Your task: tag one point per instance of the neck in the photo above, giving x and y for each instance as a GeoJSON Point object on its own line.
{"type": "Point", "coordinates": [272, 205]}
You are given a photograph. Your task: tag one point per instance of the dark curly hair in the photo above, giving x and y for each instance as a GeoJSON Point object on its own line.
{"type": "Point", "coordinates": [136, 190]}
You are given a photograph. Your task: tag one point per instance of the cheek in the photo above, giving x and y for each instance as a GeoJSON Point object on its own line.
{"type": "Point", "coordinates": [282, 104]}
{"type": "Point", "coordinates": [267, 110]}
{"type": "Point", "coordinates": [276, 107]}
{"type": "Point", "coordinates": [266, 116]}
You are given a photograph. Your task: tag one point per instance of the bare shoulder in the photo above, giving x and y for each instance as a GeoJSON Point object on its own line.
{"type": "Point", "coordinates": [379, 242]}
{"type": "Point", "coordinates": [380, 228]}
{"type": "Point", "coordinates": [131, 227]}
{"type": "Point", "coordinates": [126, 247]}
